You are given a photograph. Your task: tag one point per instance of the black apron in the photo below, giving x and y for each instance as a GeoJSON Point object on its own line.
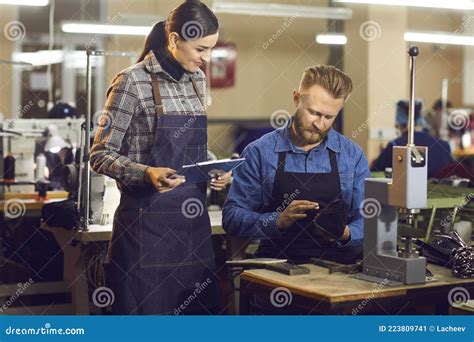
{"type": "Point", "coordinates": [302, 240]}
{"type": "Point", "coordinates": [161, 254]}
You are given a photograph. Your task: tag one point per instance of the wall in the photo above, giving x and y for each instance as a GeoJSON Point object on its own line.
{"type": "Point", "coordinates": [265, 77]}
{"type": "Point", "coordinates": [267, 72]}
{"type": "Point", "coordinates": [7, 42]}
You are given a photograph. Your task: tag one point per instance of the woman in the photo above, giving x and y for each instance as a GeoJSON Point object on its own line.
{"type": "Point", "coordinates": [161, 255]}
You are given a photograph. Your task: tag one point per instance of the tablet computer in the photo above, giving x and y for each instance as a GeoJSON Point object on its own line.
{"type": "Point", "coordinates": [204, 171]}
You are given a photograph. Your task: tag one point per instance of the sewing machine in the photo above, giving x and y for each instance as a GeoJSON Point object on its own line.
{"type": "Point", "coordinates": [385, 199]}
{"type": "Point", "coordinates": [23, 139]}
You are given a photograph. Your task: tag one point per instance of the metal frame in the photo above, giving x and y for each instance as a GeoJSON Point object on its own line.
{"type": "Point", "coordinates": [83, 199]}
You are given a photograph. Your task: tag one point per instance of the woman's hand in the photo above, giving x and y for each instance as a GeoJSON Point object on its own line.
{"type": "Point", "coordinates": [160, 178]}
{"type": "Point", "coordinates": [220, 182]}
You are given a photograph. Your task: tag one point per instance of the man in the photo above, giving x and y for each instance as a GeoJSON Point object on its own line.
{"type": "Point", "coordinates": [439, 152]}
{"type": "Point", "coordinates": [301, 186]}
{"type": "Point", "coordinates": [433, 118]}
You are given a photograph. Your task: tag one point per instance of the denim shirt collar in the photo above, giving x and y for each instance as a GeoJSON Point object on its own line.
{"type": "Point", "coordinates": [284, 144]}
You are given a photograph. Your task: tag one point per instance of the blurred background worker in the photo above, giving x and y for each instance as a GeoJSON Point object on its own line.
{"type": "Point", "coordinates": [434, 117]}
{"type": "Point", "coordinates": [439, 152]}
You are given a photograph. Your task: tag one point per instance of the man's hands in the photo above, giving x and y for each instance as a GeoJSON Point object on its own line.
{"type": "Point", "coordinates": [165, 179]}
{"type": "Point", "coordinates": [219, 182]}
{"type": "Point", "coordinates": [160, 178]}
{"type": "Point", "coordinates": [347, 234]}
{"type": "Point", "coordinates": [296, 210]}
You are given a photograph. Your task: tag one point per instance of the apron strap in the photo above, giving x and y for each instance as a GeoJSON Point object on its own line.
{"type": "Point", "coordinates": [333, 161]}
{"type": "Point", "coordinates": [197, 90]}
{"type": "Point", "coordinates": [156, 94]}
{"type": "Point", "coordinates": [334, 167]}
{"type": "Point", "coordinates": [281, 163]}
{"type": "Point", "coordinates": [157, 97]}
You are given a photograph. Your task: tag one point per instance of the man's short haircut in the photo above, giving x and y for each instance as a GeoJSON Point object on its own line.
{"type": "Point", "coordinates": [330, 78]}
{"type": "Point", "coordinates": [438, 105]}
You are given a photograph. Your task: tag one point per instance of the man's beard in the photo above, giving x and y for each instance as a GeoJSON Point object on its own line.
{"type": "Point", "coordinates": [308, 136]}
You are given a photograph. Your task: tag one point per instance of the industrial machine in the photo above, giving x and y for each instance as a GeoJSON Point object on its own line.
{"type": "Point", "coordinates": [403, 194]}
{"type": "Point", "coordinates": [26, 139]}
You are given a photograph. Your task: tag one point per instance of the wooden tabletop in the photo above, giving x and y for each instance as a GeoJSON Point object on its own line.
{"type": "Point", "coordinates": [340, 287]}
{"type": "Point", "coordinates": [464, 153]}
{"type": "Point", "coordinates": [28, 200]}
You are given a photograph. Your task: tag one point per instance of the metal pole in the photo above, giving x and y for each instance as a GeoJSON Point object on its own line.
{"type": "Point", "coordinates": [413, 52]}
{"type": "Point", "coordinates": [443, 130]}
{"type": "Point", "coordinates": [87, 175]}
{"type": "Point", "coordinates": [85, 161]}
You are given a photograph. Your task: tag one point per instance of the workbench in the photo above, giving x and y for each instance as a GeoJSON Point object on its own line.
{"type": "Point", "coordinates": [26, 205]}
{"type": "Point", "coordinates": [73, 244]}
{"type": "Point", "coordinates": [30, 204]}
{"type": "Point", "coordinates": [339, 293]}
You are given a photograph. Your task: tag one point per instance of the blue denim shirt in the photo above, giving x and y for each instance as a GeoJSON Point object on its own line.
{"type": "Point", "coordinates": [244, 212]}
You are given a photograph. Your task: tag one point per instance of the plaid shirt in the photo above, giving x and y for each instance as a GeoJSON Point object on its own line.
{"type": "Point", "coordinates": [124, 138]}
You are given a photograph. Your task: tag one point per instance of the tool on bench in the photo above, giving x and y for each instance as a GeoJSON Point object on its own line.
{"type": "Point", "coordinates": [277, 265]}
{"type": "Point", "coordinates": [333, 266]}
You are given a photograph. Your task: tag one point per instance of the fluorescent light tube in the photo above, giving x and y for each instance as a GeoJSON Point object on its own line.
{"type": "Point", "coordinates": [282, 10]}
{"type": "Point", "coordinates": [439, 38]}
{"type": "Point", "coordinates": [106, 29]}
{"type": "Point", "coordinates": [25, 2]}
{"type": "Point", "coordinates": [451, 4]}
{"type": "Point", "coordinates": [331, 39]}
{"type": "Point", "coordinates": [43, 57]}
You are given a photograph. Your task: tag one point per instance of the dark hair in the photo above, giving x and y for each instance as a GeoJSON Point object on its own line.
{"type": "Point", "coordinates": [439, 104]}
{"type": "Point", "coordinates": [191, 20]}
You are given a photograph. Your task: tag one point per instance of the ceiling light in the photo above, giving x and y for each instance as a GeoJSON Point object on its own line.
{"type": "Point", "coordinates": [452, 4]}
{"type": "Point", "coordinates": [38, 58]}
{"type": "Point", "coordinates": [106, 29]}
{"type": "Point", "coordinates": [439, 38]}
{"type": "Point", "coordinates": [25, 2]}
{"type": "Point", "coordinates": [331, 39]}
{"type": "Point", "coordinates": [282, 10]}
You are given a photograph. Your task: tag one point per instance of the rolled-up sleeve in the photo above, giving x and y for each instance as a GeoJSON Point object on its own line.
{"type": "Point", "coordinates": [107, 156]}
{"type": "Point", "coordinates": [355, 219]}
{"type": "Point", "coordinates": [243, 214]}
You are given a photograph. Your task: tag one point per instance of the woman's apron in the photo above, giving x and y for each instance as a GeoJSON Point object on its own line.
{"type": "Point", "coordinates": [161, 259]}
